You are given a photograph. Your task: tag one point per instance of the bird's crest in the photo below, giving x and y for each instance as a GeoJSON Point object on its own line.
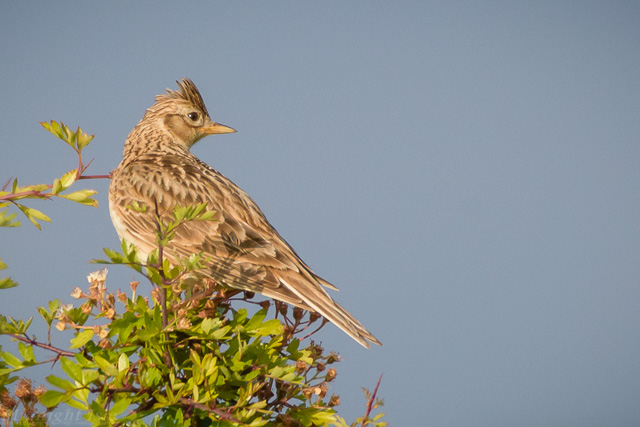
{"type": "Point", "coordinates": [187, 92]}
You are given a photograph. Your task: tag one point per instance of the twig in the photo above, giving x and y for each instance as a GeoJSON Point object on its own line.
{"type": "Point", "coordinates": [371, 401]}
{"type": "Point", "coordinates": [80, 168]}
{"type": "Point", "coordinates": [108, 176]}
{"type": "Point", "coordinates": [163, 289]}
{"type": "Point", "coordinates": [4, 187]}
{"type": "Point", "coordinates": [324, 322]}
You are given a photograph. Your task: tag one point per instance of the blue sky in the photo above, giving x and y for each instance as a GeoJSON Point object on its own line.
{"type": "Point", "coordinates": [465, 172]}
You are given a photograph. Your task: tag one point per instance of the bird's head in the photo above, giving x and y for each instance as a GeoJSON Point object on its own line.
{"type": "Point", "coordinates": [183, 115]}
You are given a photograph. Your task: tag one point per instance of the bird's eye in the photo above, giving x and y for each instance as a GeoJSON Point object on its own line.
{"type": "Point", "coordinates": [193, 116]}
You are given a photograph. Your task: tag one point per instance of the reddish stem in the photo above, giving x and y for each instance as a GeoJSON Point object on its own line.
{"type": "Point", "coordinates": [11, 196]}
{"type": "Point", "coordinates": [95, 176]}
{"type": "Point", "coordinates": [371, 401]}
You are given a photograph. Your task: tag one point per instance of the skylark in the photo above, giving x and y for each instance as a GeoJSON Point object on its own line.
{"type": "Point", "coordinates": [245, 251]}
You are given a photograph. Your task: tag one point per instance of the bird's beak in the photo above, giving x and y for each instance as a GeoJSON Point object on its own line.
{"type": "Point", "coordinates": [214, 128]}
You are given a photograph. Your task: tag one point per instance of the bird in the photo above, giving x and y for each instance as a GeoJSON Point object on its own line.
{"type": "Point", "coordinates": [241, 248]}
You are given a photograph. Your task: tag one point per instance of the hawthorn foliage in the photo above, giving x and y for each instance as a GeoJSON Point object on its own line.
{"type": "Point", "coordinates": [190, 353]}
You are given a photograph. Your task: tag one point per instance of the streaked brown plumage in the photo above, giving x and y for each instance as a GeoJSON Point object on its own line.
{"type": "Point", "coordinates": [246, 252]}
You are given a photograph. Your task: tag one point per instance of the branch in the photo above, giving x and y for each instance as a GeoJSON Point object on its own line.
{"type": "Point", "coordinates": [12, 196]}
{"type": "Point", "coordinates": [141, 408]}
{"type": "Point", "coordinates": [26, 339]}
{"type": "Point", "coordinates": [39, 193]}
{"type": "Point", "coordinates": [222, 414]}
{"type": "Point", "coordinates": [127, 389]}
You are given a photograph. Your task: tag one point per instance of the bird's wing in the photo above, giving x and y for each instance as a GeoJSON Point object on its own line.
{"type": "Point", "coordinates": [244, 256]}
{"type": "Point", "coordinates": [245, 251]}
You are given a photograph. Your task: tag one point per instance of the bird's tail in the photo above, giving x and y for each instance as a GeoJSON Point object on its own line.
{"type": "Point", "coordinates": [318, 299]}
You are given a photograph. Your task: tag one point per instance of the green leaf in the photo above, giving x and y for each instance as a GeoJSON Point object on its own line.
{"type": "Point", "coordinates": [107, 367]}
{"type": "Point", "coordinates": [98, 409]}
{"type": "Point", "coordinates": [120, 406]}
{"type": "Point", "coordinates": [377, 417]}
{"type": "Point", "coordinates": [220, 333]}
{"type": "Point", "coordinates": [39, 215]}
{"type": "Point", "coordinates": [78, 405]}
{"type": "Point", "coordinates": [34, 215]}
{"type": "Point", "coordinates": [49, 315]}
{"type": "Point", "coordinates": [36, 188]}
{"type": "Point", "coordinates": [77, 316]}
{"type": "Point", "coordinates": [138, 207]}
{"type": "Point", "coordinates": [83, 197]}
{"type": "Point", "coordinates": [68, 178]}
{"type": "Point", "coordinates": [130, 252]}
{"type": "Point", "coordinates": [89, 376]}
{"type": "Point", "coordinates": [82, 338]}
{"type": "Point", "coordinates": [68, 136]}
{"type": "Point", "coordinates": [51, 398]}
{"type": "Point", "coordinates": [26, 351]}
{"type": "Point", "coordinates": [53, 127]}
{"type": "Point", "coordinates": [60, 383]}
{"type": "Point", "coordinates": [151, 377]}
{"type": "Point", "coordinates": [241, 316]}
{"type": "Point", "coordinates": [209, 323]}
{"type": "Point", "coordinates": [82, 394]}
{"type": "Point", "coordinates": [71, 369]}
{"type": "Point", "coordinates": [57, 186]}
{"type": "Point", "coordinates": [7, 283]}
{"type": "Point", "coordinates": [27, 324]}
{"type": "Point", "coordinates": [256, 320]}
{"type": "Point", "coordinates": [6, 219]}
{"type": "Point", "coordinates": [11, 359]}
{"type": "Point", "coordinates": [114, 256]}
{"type": "Point", "coordinates": [123, 362]}
{"type": "Point", "coordinates": [270, 327]}
{"type": "Point", "coordinates": [315, 416]}
{"type": "Point", "coordinates": [82, 139]}
{"type": "Point", "coordinates": [54, 305]}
